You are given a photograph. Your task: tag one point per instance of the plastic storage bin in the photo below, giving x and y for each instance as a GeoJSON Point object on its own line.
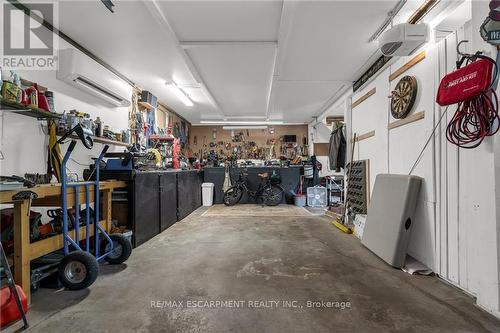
{"type": "Point", "coordinates": [207, 191]}
{"type": "Point", "coordinates": [300, 200]}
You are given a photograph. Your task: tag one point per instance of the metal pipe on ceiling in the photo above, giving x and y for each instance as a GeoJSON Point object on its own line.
{"type": "Point", "coordinates": [388, 21]}
{"type": "Point", "coordinates": [81, 48]}
{"type": "Point", "coordinates": [423, 10]}
{"type": "Point", "coordinates": [70, 40]}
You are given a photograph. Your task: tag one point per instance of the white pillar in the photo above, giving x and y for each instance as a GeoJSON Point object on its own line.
{"type": "Point", "coordinates": [488, 233]}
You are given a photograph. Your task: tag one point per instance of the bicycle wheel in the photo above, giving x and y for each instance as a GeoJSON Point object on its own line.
{"type": "Point", "coordinates": [232, 196]}
{"type": "Point", "coordinates": [273, 195]}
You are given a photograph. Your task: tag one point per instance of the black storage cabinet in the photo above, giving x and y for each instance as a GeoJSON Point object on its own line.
{"type": "Point", "coordinates": [154, 204]}
{"type": "Point", "coordinates": [158, 199]}
{"type": "Point", "coordinates": [168, 199]}
{"type": "Point", "coordinates": [145, 213]}
{"type": "Point", "coordinates": [188, 192]}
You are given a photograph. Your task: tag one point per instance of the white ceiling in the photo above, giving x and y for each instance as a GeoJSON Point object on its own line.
{"type": "Point", "coordinates": [239, 77]}
{"type": "Point", "coordinates": [298, 101]}
{"type": "Point", "coordinates": [224, 20]}
{"type": "Point", "coordinates": [328, 40]}
{"type": "Point", "coordinates": [282, 60]}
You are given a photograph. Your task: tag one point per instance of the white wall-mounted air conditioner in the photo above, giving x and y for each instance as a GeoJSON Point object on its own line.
{"type": "Point", "coordinates": [403, 39]}
{"type": "Point", "coordinates": [86, 74]}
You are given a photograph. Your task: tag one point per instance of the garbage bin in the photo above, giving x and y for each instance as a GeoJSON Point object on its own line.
{"type": "Point", "coordinates": [208, 194]}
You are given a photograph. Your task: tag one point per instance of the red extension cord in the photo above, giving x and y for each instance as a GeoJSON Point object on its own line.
{"type": "Point", "coordinates": [475, 119]}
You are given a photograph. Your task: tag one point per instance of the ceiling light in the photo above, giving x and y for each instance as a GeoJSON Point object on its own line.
{"type": "Point", "coordinates": [261, 118]}
{"type": "Point", "coordinates": [242, 122]}
{"type": "Point", "coordinates": [180, 94]}
{"type": "Point", "coordinates": [243, 127]}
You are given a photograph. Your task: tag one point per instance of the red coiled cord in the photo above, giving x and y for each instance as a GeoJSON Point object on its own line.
{"type": "Point", "coordinates": [475, 119]}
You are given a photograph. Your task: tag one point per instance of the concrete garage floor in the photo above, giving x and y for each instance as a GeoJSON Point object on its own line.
{"type": "Point", "coordinates": [254, 261]}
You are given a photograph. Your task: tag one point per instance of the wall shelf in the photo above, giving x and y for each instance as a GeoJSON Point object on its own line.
{"type": "Point", "coordinates": [364, 98]}
{"type": "Point", "coordinates": [408, 120]}
{"type": "Point", "coordinates": [109, 141]}
{"type": "Point", "coordinates": [415, 60]}
{"type": "Point", "coordinates": [364, 136]}
{"type": "Point", "coordinates": [101, 140]}
{"type": "Point", "coordinates": [145, 105]}
{"type": "Point", "coordinates": [26, 111]}
{"type": "Point", "coordinates": [43, 114]}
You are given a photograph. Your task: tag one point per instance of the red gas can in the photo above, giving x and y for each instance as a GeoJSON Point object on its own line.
{"type": "Point", "coordinates": [8, 307]}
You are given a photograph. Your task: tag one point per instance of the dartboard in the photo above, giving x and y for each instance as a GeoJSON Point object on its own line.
{"type": "Point", "coordinates": [403, 97]}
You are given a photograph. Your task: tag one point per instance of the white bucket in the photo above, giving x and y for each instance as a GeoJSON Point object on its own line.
{"type": "Point", "coordinates": [207, 191]}
{"type": "Point", "coordinates": [300, 200]}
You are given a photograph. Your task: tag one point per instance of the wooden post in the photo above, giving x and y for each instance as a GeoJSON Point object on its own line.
{"type": "Point", "coordinates": [22, 271]}
{"type": "Point", "coordinates": [106, 208]}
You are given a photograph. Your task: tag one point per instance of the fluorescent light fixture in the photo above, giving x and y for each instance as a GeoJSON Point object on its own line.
{"type": "Point", "coordinates": [241, 122]}
{"type": "Point", "coordinates": [243, 127]}
{"type": "Point", "coordinates": [180, 94]}
{"type": "Point", "coordinates": [234, 118]}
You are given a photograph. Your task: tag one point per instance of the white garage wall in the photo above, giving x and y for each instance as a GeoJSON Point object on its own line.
{"type": "Point", "coordinates": [368, 116]}
{"type": "Point", "coordinates": [23, 141]}
{"type": "Point", "coordinates": [479, 208]}
{"type": "Point", "coordinates": [395, 151]}
{"type": "Point", "coordinates": [405, 144]}
{"type": "Point", "coordinates": [456, 229]}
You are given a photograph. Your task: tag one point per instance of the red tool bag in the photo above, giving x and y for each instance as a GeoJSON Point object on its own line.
{"type": "Point", "coordinates": [472, 89]}
{"type": "Point", "coordinates": [465, 83]}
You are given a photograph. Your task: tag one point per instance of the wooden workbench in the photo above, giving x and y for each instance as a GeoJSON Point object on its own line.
{"type": "Point", "coordinates": [48, 196]}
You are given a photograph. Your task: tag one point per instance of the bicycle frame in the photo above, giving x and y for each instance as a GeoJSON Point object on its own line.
{"type": "Point", "coordinates": [243, 184]}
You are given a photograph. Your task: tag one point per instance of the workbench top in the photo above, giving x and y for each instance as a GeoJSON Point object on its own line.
{"type": "Point", "coordinates": [47, 190]}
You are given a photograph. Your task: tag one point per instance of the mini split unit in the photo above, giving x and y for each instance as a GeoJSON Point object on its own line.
{"type": "Point", "coordinates": [403, 39]}
{"type": "Point", "coordinates": [86, 74]}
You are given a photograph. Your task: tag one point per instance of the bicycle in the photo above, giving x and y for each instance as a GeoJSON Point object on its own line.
{"type": "Point", "coordinates": [268, 193]}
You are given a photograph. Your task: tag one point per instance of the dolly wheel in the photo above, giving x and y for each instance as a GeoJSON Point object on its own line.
{"type": "Point", "coordinates": [78, 270]}
{"type": "Point", "coordinates": [122, 249]}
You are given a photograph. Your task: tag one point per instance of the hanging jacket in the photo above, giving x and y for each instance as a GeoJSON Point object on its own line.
{"type": "Point", "coordinates": [337, 149]}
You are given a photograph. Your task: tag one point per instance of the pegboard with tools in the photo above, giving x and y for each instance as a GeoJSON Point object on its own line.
{"type": "Point", "coordinates": [358, 188]}
{"type": "Point", "coordinates": [263, 143]}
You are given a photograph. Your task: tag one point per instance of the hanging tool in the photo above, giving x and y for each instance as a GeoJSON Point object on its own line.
{"type": "Point", "coordinates": [83, 134]}
{"type": "Point", "coordinates": [54, 156]}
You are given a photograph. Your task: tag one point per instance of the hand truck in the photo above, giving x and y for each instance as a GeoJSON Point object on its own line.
{"type": "Point", "coordinates": [79, 267]}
